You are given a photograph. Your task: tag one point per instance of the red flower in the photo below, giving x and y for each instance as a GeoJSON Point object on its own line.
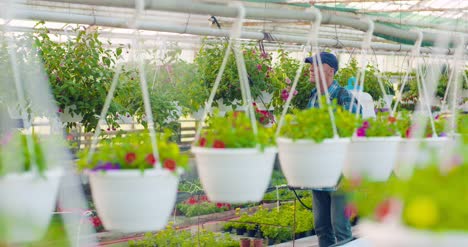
{"type": "Point", "coordinates": [392, 119]}
{"type": "Point", "coordinates": [150, 159]}
{"type": "Point", "coordinates": [192, 201]}
{"type": "Point", "coordinates": [202, 142]}
{"type": "Point", "coordinates": [219, 205]}
{"type": "Point", "coordinates": [60, 110]}
{"type": "Point", "coordinates": [130, 157]}
{"type": "Point", "coordinates": [70, 137]}
{"type": "Point", "coordinates": [170, 164]}
{"type": "Point", "coordinates": [383, 210]}
{"type": "Point", "coordinates": [218, 144]}
{"type": "Point", "coordinates": [204, 198]}
{"type": "Point", "coordinates": [96, 221]}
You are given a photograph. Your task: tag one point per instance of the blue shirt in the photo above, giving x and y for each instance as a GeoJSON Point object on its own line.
{"type": "Point", "coordinates": [335, 91]}
{"type": "Point", "coordinates": [343, 97]}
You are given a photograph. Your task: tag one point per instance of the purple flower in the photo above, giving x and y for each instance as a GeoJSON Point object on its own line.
{"type": "Point", "coordinates": [361, 132]}
{"type": "Point", "coordinates": [287, 80]}
{"type": "Point", "coordinates": [284, 95]}
{"type": "Point", "coordinates": [443, 134]}
{"type": "Point", "coordinates": [106, 167]}
{"type": "Point", "coordinates": [365, 125]}
{"type": "Point", "coordinates": [264, 55]}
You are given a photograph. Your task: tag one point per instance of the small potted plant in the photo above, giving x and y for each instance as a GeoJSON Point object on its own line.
{"type": "Point", "coordinates": [373, 149]}
{"type": "Point", "coordinates": [29, 183]}
{"type": "Point", "coordinates": [131, 189]}
{"type": "Point", "coordinates": [306, 143]}
{"type": "Point", "coordinates": [416, 212]}
{"type": "Point", "coordinates": [233, 163]}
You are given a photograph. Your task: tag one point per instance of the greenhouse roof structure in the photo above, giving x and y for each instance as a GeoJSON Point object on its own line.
{"type": "Point", "coordinates": [397, 23]}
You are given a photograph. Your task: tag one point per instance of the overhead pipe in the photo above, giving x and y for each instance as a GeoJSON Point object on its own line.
{"type": "Point", "coordinates": [195, 7]}
{"type": "Point", "coordinates": [33, 14]}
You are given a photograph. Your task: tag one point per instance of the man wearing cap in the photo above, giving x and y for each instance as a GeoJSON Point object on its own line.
{"type": "Point", "coordinates": [331, 223]}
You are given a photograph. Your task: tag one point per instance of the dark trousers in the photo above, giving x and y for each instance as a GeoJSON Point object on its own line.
{"type": "Point", "coordinates": [331, 223]}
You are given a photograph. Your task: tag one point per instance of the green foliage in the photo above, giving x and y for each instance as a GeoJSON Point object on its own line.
{"type": "Point", "coordinates": [383, 125]}
{"type": "Point", "coordinates": [371, 80]}
{"type": "Point", "coordinates": [173, 237]}
{"type": "Point", "coordinates": [235, 131]}
{"type": "Point", "coordinates": [133, 151]}
{"type": "Point", "coordinates": [258, 65]}
{"type": "Point", "coordinates": [315, 124]}
{"type": "Point", "coordinates": [462, 127]}
{"type": "Point", "coordinates": [278, 224]}
{"type": "Point", "coordinates": [201, 208]}
{"type": "Point", "coordinates": [170, 85]}
{"type": "Point", "coordinates": [80, 72]}
{"type": "Point", "coordinates": [284, 73]}
{"type": "Point", "coordinates": [15, 155]}
{"type": "Point", "coordinates": [408, 126]}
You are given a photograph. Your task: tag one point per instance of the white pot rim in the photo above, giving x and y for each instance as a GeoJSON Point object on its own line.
{"type": "Point", "coordinates": [308, 141]}
{"type": "Point", "coordinates": [136, 173]}
{"type": "Point", "coordinates": [222, 151]}
{"type": "Point", "coordinates": [432, 139]}
{"type": "Point", "coordinates": [377, 139]}
{"type": "Point", "coordinates": [53, 173]}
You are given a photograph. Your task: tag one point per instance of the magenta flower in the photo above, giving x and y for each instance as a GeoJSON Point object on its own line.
{"type": "Point", "coordinates": [264, 55]}
{"type": "Point", "coordinates": [295, 92]}
{"type": "Point", "coordinates": [288, 81]}
{"type": "Point", "coordinates": [284, 94]}
{"type": "Point", "coordinates": [361, 132]}
{"type": "Point", "coordinates": [259, 67]}
{"type": "Point", "coordinates": [365, 125]}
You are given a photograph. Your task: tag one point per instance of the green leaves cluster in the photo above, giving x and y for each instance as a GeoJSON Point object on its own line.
{"type": "Point", "coordinates": [80, 72]}
{"type": "Point", "coordinates": [116, 151]}
{"type": "Point", "coordinates": [315, 123]}
{"type": "Point", "coordinates": [284, 73]}
{"type": "Point", "coordinates": [383, 125]}
{"type": "Point", "coordinates": [278, 224]}
{"type": "Point", "coordinates": [258, 66]}
{"type": "Point", "coordinates": [183, 238]}
{"type": "Point", "coordinates": [235, 131]}
{"type": "Point", "coordinates": [371, 80]}
{"type": "Point", "coordinates": [15, 155]}
{"type": "Point", "coordinates": [201, 208]}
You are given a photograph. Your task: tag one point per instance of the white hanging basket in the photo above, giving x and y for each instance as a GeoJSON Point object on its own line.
{"type": "Point", "coordinates": [371, 157]}
{"type": "Point", "coordinates": [234, 175]}
{"type": "Point", "coordinates": [391, 235]}
{"type": "Point", "coordinates": [27, 202]}
{"type": "Point", "coordinates": [312, 165]}
{"type": "Point", "coordinates": [412, 152]}
{"type": "Point", "coordinates": [132, 201]}
{"type": "Point", "coordinates": [66, 115]}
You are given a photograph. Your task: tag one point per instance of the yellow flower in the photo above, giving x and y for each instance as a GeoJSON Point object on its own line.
{"type": "Point", "coordinates": [421, 212]}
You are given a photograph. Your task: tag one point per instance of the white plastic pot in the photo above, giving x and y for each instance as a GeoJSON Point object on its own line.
{"type": "Point", "coordinates": [391, 235]}
{"type": "Point", "coordinates": [312, 165]}
{"type": "Point", "coordinates": [413, 152]}
{"type": "Point", "coordinates": [132, 201]}
{"type": "Point", "coordinates": [371, 157]}
{"type": "Point", "coordinates": [27, 202]}
{"type": "Point", "coordinates": [234, 175]}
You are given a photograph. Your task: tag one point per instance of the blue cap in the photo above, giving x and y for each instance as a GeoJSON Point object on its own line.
{"type": "Point", "coordinates": [326, 58]}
